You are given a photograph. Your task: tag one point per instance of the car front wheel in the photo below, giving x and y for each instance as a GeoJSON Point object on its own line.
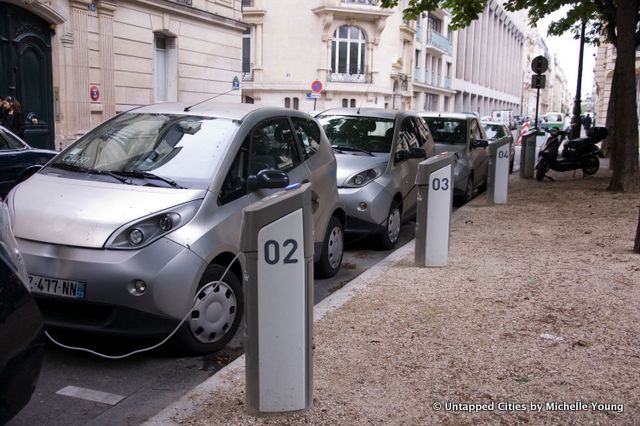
{"type": "Point", "coordinates": [332, 250]}
{"type": "Point", "coordinates": [215, 316]}
{"type": "Point", "coordinates": [391, 232]}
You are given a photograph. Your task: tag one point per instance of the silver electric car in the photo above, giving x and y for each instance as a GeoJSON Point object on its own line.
{"type": "Point", "coordinates": [378, 152]}
{"type": "Point", "coordinates": [122, 230]}
{"type": "Point", "coordinates": [464, 135]}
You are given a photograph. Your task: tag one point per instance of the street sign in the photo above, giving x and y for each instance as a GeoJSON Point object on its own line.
{"type": "Point", "coordinates": [316, 86]}
{"type": "Point", "coordinates": [539, 64]}
{"type": "Point", "coordinates": [235, 85]}
{"type": "Point", "coordinates": [313, 96]}
{"type": "Point", "coordinates": [538, 81]}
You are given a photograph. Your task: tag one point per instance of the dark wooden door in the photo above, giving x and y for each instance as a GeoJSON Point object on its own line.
{"type": "Point", "coordinates": [25, 71]}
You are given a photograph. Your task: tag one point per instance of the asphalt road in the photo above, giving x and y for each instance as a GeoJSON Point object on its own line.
{"type": "Point", "coordinates": [148, 382]}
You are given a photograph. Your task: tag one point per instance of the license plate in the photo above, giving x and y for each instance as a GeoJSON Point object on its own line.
{"type": "Point", "coordinates": [57, 287]}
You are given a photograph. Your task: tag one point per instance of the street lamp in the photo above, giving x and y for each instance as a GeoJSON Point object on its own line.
{"type": "Point", "coordinates": [575, 122]}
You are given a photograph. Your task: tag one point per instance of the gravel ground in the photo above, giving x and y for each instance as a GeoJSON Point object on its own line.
{"type": "Point", "coordinates": [539, 305]}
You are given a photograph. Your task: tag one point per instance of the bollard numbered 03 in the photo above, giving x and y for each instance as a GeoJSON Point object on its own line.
{"type": "Point", "coordinates": [433, 217]}
{"type": "Point", "coordinates": [499, 153]}
{"type": "Point", "coordinates": [277, 241]}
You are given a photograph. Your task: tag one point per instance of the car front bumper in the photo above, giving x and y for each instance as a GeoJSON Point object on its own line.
{"type": "Point", "coordinates": [370, 219]}
{"type": "Point", "coordinates": [111, 306]}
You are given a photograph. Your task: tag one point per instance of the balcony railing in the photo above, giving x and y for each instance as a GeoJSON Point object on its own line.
{"type": "Point", "coordinates": [419, 33]}
{"type": "Point", "coordinates": [365, 2]}
{"type": "Point", "coordinates": [247, 75]}
{"type": "Point", "coordinates": [438, 40]}
{"type": "Point", "coordinates": [354, 76]}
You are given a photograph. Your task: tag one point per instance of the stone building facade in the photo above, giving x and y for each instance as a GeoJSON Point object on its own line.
{"type": "Point", "coordinates": [108, 56]}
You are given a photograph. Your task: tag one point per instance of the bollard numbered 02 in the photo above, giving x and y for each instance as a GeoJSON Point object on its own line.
{"type": "Point", "coordinates": [499, 153]}
{"type": "Point", "coordinates": [277, 241]}
{"type": "Point", "coordinates": [433, 217]}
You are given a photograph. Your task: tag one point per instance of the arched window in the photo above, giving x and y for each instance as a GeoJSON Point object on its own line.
{"type": "Point", "coordinates": [348, 51]}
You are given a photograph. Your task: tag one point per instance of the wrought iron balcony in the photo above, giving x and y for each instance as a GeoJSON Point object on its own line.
{"type": "Point", "coordinates": [354, 75]}
{"type": "Point", "coordinates": [439, 41]}
{"type": "Point", "coordinates": [365, 2]}
{"type": "Point", "coordinates": [247, 74]}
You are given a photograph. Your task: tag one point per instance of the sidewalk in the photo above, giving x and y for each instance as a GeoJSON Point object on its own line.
{"type": "Point", "coordinates": [539, 308]}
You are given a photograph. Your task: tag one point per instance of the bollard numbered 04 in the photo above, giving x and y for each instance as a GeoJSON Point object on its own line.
{"type": "Point", "coordinates": [499, 153]}
{"type": "Point", "coordinates": [433, 217]}
{"type": "Point", "coordinates": [277, 241]}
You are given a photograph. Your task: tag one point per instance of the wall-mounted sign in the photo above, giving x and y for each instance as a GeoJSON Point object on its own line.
{"type": "Point", "coordinates": [94, 93]}
{"type": "Point", "coordinates": [91, 7]}
{"type": "Point", "coordinates": [235, 84]}
{"type": "Point", "coordinates": [316, 86]}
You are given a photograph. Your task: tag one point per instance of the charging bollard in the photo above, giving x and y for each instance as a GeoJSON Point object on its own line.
{"type": "Point", "coordinates": [499, 153]}
{"type": "Point", "coordinates": [433, 217]}
{"type": "Point", "coordinates": [277, 241]}
{"type": "Point", "coordinates": [528, 154]}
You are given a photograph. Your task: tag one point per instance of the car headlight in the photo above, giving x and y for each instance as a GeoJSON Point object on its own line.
{"type": "Point", "coordinates": [144, 231]}
{"type": "Point", "coordinates": [361, 179]}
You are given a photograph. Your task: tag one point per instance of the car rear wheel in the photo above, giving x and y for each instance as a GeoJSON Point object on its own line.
{"type": "Point", "coordinates": [389, 236]}
{"type": "Point", "coordinates": [332, 250]}
{"type": "Point", "coordinates": [216, 314]}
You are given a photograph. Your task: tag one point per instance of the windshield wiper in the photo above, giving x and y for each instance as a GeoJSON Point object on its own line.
{"type": "Point", "coordinates": [351, 148]}
{"type": "Point", "coordinates": [150, 176]}
{"type": "Point", "coordinates": [74, 168]}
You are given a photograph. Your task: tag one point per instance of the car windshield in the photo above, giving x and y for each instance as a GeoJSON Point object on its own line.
{"type": "Point", "coordinates": [448, 130]}
{"type": "Point", "coordinates": [554, 117]}
{"type": "Point", "coordinates": [135, 148]}
{"type": "Point", "coordinates": [370, 134]}
{"type": "Point", "coordinates": [494, 131]}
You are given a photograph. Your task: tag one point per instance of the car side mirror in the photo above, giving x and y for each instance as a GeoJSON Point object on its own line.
{"type": "Point", "coordinates": [402, 156]}
{"type": "Point", "coordinates": [418, 153]}
{"type": "Point", "coordinates": [267, 179]}
{"type": "Point", "coordinates": [480, 143]}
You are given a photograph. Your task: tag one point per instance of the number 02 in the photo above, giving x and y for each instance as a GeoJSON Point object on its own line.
{"type": "Point", "coordinates": [272, 251]}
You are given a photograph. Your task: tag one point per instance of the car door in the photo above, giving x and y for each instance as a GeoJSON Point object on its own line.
{"type": "Point", "coordinates": [406, 168]}
{"type": "Point", "coordinates": [478, 156]}
{"type": "Point", "coordinates": [13, 160]}
{"type": "Point", "coordinates": [269, 145]}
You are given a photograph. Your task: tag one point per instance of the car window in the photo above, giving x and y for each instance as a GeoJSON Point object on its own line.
{"type": "Point", "coordinates": [408, 136]}
{"type": "Point", "coordinates": [186, 149]}
{"type": "Point", "coordinates": [372, 134]}
{"type": "Point", "coordinates": [448, 130]}
{"type": "Point", "coordinates": [423, 130]}
{"type": "Point", "coordinates": [273, 147]}
{"type": "Point", "coordinates": [234, 185]}
{"type": "Point", "coordinates": [8, 141]}
{"type": "Point", "coordinates": [309, 135]}
{"type": "Point", "coordinates": [476, 133]}
{"type": "Point", "coordinates": [494, 131]}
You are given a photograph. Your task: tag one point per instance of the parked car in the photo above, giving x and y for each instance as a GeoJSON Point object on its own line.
{"type": "Point", "coordinates": [18, 160]}
{"type": "Point", "coordinates": [21, 327]}
{"type": "Point", "coordinates": [462, 134]}
{"type": "Point", "coordinates": [497, 131]}
{"type": "Point", "coordinates": [378, 152]}
{"type": "Point", "coordinates": [145, 210]}
{"type": "Point", "coordinates": [553, 120]}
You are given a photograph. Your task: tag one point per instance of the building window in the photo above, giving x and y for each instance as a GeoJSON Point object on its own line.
{"type": "Point", "coordinates": [435, 24]}
{"type": "Point", "coordinates": [287, 102]}
{"type": "Point", "coordinates": [431, 102]}
{"type": "Point", "coordinates": [248, 100]}
{"type": "Point", "coordinates": [166, 68]}
{"type": "Point", "coordinates": [296, 103]}
{"type": "Point", "coordinates": [345, 103]}
{"type": "Point", "coordinates": [247, 65]}
{"type": "Point", "coordinates": [348, 50]}
{"type": "Point", "coordinates": [353, 103]}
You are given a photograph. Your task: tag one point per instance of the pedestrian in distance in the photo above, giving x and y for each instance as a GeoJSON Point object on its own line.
{"type": "Point", "coordinates": [586, 122]}
{"type": "Point", "coordinates": [566, 126]}
{"type": "Point", "coordinates": [11, 116]}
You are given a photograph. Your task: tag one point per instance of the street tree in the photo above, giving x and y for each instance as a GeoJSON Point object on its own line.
{"type": "Point", "coordinates": [612, 21]}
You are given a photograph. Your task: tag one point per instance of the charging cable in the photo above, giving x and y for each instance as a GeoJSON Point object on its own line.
{"type": "Point", "coordinates": [196, 304]}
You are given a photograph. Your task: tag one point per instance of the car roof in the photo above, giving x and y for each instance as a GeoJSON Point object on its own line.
{"type": "Point", "coordinates": [494, 123]}
{"type": "Point", "coordinates": [458, 115]}
{"type": "Point", "coordinates": [367, 112]}
{"type": "Point", "coordinates": [232, 111]}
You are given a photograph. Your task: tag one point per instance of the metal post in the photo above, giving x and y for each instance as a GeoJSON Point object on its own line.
{"type": "Point", "coordinates": [433, 217]}
{"type": "Point", "coordinates": [577, 109]}
{"type": "Point", "coordinates": [277, 241]}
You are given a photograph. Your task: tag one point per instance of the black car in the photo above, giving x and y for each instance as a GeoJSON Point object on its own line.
{"type": "Point", "coordinates": [21, 327]}
{"type": "Point", "coordinates": [18, 160]}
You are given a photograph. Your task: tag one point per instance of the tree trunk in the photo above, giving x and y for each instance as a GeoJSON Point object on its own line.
{"type": "Point", "coordinates": [636, 246]}
{"type": "Point", "coordinates": [608, 147]}
{"type": "Point", "coordinates": [626, 173]}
